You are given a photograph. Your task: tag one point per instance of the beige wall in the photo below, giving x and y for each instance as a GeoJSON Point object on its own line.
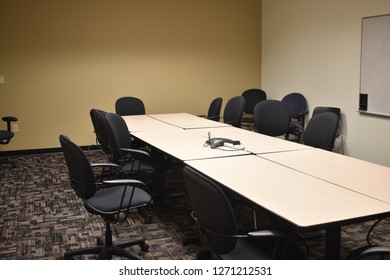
{"type": "Point", "coordinates": [313, 47]}
{"type": "Point", "coordinates": [62, 58]}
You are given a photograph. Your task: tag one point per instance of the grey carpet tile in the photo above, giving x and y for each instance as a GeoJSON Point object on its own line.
{"type": "Point", "coordinates": [42, 218]}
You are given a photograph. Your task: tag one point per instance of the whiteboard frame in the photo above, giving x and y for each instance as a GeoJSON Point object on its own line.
{"type": "Point", "coordinates": [379, 92]}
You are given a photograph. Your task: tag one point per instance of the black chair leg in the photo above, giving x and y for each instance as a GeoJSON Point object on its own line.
{"type": "Point", "coordinates": [145, 214]}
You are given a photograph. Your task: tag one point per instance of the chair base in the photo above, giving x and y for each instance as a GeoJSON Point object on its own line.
{"type": "Point", "coordinates": [106, 252]}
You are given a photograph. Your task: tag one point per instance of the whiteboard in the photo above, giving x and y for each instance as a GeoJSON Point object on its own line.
{"type": "Point", "coordinates": [375, 65]}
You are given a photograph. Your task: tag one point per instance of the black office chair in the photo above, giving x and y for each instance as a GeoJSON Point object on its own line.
{"type": "Point", "coordinates": [214, 112]}
{"type": "Point", "coordinates": [106, 197]}
{"type": "Point", "coordinates": [135, 162]}
{"type": "Point", "coordinates": [297, 107]}
{"type": "Point", "coordinates": [337, 111]}
{"type": "Point", "coordinates": [272, 118]}
{"type": "Point", "coordinates": [128, 105]}
{"type": "Point", "coordinates": [7, 135]}
{"type": "Point", "coordinates": [252, 97]}
{"type": "Point", "coordinates": [217, 227]}
{"type": "Point", "coordinates": [234, 110]}
{"type": "Point", "coordinates": [321, 131]}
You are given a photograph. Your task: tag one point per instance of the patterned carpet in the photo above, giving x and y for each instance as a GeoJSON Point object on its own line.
{"type": "Point", "coordinates": [41, 217]}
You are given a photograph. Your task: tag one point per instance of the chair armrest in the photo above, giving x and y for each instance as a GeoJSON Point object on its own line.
{"type": "Point", "coordinates": [106, 164]}
{"type": "Point", "coordinates": [121, 182]}
{"type": "Point", "coordinates": [107, 171]}
{"type": "Point", "coordinates": [136, 151]}
{"type": "Point", "coordinates": [266, 233]}
{"type": "Point", "coordinates": [304, 113]}
{"type": "Point", "coordinates": [8, 120]}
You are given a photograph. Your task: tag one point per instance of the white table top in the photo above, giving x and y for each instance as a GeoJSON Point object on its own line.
{"type": "Point", "coordinates": [303, 200]}
{"type": "Point", "coordinates": [360, 176]}
{"type": "Point", "coordinates": [254, 142]}
{"type": "Point", "coordinates": [183, 144]}
{"type": "Point", "coordinates": [138, 123]}
{"type": "Point", "coordinates": [187, 121]}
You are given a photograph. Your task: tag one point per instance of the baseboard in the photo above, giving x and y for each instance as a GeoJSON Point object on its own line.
{"type": "Point", "coordinates": [42, 151]}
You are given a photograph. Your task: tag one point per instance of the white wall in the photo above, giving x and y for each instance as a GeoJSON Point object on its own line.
{"type": "Point", "coordinates": [313, 47]}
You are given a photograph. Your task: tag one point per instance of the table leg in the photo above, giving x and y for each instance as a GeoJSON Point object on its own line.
{"type": "Point", "coordinates": [332, 243]}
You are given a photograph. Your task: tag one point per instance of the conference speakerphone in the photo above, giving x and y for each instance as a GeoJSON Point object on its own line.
{"type": "Point", "coordinates": [225, 142]}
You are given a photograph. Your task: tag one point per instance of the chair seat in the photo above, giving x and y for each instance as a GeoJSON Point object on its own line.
{"type": "Point", "coordinates": [260, 249]}
{"type": "Point", "coordinates": [136, 168]}
{"type": "Point", "coordinates": [106, 201]}
{"type": "Point", "coordinates": [5, 134]}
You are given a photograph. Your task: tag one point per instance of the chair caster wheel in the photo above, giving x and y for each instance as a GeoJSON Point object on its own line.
{"type": "Point", "coordinates": [144, 247]}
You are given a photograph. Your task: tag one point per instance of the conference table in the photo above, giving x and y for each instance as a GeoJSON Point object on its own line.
{"type": "Point", "coordinates": [308, 188]}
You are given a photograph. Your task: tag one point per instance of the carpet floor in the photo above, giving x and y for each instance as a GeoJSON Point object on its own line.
{"type": "Point", "coordinates": [42, 218]}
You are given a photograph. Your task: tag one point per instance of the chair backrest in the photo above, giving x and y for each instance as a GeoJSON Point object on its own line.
{"type": "Point", "coordinates": [335, 110]}
{"type": "Point", "coordinates": [80, 171]}
{"type": "Point", "coordinates": [98, 121]}
{"type": "Point", "coordinates": [215, 109]}
{"type": "Point", "coordinates": [118, 135]}
{"type": "Point", "coordinates": [296, 103]}
{"type": "Point", "coordinates": [234, 110]}
{"type": "Point", "coordinates": [321, 131]}
{"type": "Point", "coordinates": [252, 97]}
{"type": "Point", "coordinates": [212, 210]}
{"type": "Point", "coordinates": [271, 118]}
{"type": "Point", "coordinates": [128, 105]}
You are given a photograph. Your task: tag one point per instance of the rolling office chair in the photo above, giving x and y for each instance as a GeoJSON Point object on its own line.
{"type": "Point", "coordinates": [234, 110]}
{"type": "Point", "coordinates": [136, 163]}
{"type": "Point", "coordinates": [252, 97]}
{"type": "Point", "coordinates": [7, 135]}
{"type": "Point", "coordinates": [128, 105]}
{"type": "Point", "coordinates": [321, 131]}
{"type": "Point", "coordinates": [214, 111]}
{"type": "Point", "coordinates": [106, 197]}
{"type": "Point", "coordinates": [218, 232]}
{"type": "Point", "coordinates": [272, 118]}
{"type": "Point", "coordinates": [297, 107]}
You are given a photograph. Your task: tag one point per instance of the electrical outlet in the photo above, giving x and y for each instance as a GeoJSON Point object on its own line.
{"type": "Point", "coordinates": [15, 127]}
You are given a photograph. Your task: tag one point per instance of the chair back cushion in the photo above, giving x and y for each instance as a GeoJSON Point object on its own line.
{"type": "Point", "coordinates": [80, 171]}
{"type": "Point", "coordinates": [118, 135]}
{"type": "Point", "coordinates": [296, 103]}
{"type": "Point", "coordinates": [252, 97]}
{"type": "Point", "coordinates": [212, 210]}
{"type": "Point", "coordinates": [321, 131]}
{"type": "Point", "coordinates": [271, 117]}
{"type": "Point", "coordinates": [98, 120]}
{"type": "Point", "coordinates": [215, 109]}
{"type": "Point", "coordinates": [128, 105]}
{"type": "Point", "coordinates": [234, 110]}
